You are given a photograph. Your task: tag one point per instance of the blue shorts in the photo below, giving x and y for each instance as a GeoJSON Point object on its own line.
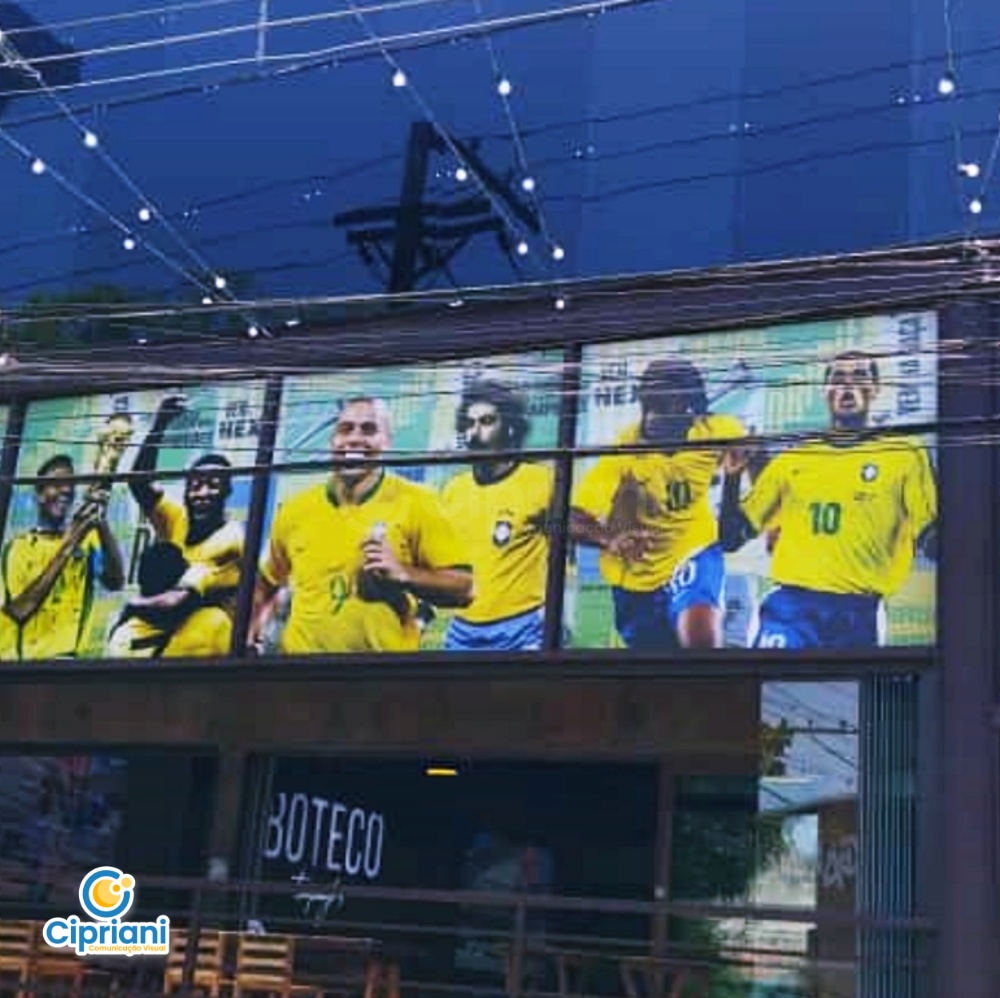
{"type": "Point", "coordinates": [791, 617]}
{"type": "Point", "coordinates": [524, 632]}
{"type": "Point", "coordinates": [648, 621]}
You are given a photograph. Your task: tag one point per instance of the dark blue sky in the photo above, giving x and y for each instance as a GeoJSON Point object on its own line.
{"type": "Point", "coordinates": [669, 135]}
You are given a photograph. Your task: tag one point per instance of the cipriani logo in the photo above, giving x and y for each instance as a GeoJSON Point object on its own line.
{"type": "Point", "coordinates": [106, 895]}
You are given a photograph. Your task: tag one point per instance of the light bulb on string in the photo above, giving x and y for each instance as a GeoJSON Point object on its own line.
{"type": "Point", "coordinates": [560, 303]}
{"type": "Point", "coordinates": [522, 248]}
{"type": "Point", "coordinates": [399, 79]}
{"type": "Point", "coordinates": [976, 206]}
{"type": "Point", "coordinates": [38, 167]}
{"type": "Point", "coordinates": [946, 85]}
{"type": "Point", "coordinates": [970, 170]}
{"type": "Point", "coordinates": [253, 331]}
{"type": "Point", "coordinates": [461, 174]}
{"type": "Point", "coordinates": [558, 253]}
{"type": "Point", "coordinates": [145, 214]}
{"type": "Point", "coordinates": [528, 184]}
{"type": "Point", "coordinates": [206, 300]}
{"type": "Point", "coordinates": [90, 140]}
{"type": "Point", "coordinates": [219, 282]}
{"type": "Point", "coordinates": [504, 87]}
{"type": "Point", "coordinates": [129, 243]}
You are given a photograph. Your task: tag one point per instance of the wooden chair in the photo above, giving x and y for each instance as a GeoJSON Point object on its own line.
{"type": "Point", "coordinates": [209, 971]}
{"type": "Point", "coordinates": [17, 947]}
{"type": "Point", "coordinates": [265, 965]}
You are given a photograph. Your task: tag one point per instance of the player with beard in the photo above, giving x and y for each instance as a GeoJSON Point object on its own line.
{"type": "Point", "coordinates": [50, 571]}
{"type": "Point", "coordinates": [650, 517]}
{"type": "Point", "coordinates": [197, 612]}
{"type": "Point", "coordinates": [852, 507]}
{"type": "Point", "coordinates": [502, 505]}
{"type": "Point", "coordinates": [359, 551]}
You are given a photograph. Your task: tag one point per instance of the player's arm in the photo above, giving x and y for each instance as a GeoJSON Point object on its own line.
{"type": "Point", "coordinates": [604, 511]}
{"type": "Point", "coordinates": [740, 521]}
{"type": "Point", "coordinates": [439, 574]}
{"type": "Point", "coordinates": [272, 575]}
{"type": "Point", "coordinates": [25, 596]}
{"type": "Point", "coordinates": [112, 565]}
{"type": "Point", "coordinates": [921, 503]}
{"type": "Point", "coordinates": [144, 490]}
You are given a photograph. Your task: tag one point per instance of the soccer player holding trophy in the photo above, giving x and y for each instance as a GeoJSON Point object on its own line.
{"type": "Point", "coordinates": [851, 508]}
{"type": "Point", "coordinates": [502, 505]}
{"type": "Point", "coordinates": [359, 551]}
{"type": "Point", "coordinates": [50, 572]}
{"type": "Point", "coordinates": [650, 517]}
{"type": "Point", "coordinates": [189, 577]}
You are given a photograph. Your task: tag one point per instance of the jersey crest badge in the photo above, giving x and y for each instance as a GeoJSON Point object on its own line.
{"type": "Point", "coordinates": [503, 531]}
{"type": "Point", "coordinates": [869, 473]}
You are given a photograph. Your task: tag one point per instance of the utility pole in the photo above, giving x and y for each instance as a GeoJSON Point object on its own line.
{"type": "Point", "coordinates": [414, 239]}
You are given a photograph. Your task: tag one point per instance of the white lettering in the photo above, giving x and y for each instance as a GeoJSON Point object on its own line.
{"type": "Point", "coordinates": [299, 824]}
{"type": "Point", "coordinates": [320, 805]}
{"type": "Point", "coordinates": [272, 849]}
{"type": "Point", "coordinates": [300, 810]}
{"type": "Point", "coordinates": [373, 846]}
{"type": "Point", "coordinates": [353, 856]}
{"type": "Point", "coordinates": [336, 835]}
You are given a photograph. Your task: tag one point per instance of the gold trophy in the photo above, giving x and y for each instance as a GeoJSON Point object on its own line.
{"type": "Point", "coordinates": [112, 442]}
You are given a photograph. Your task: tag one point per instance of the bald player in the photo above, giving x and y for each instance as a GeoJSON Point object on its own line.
{"type": "Point", "coordinates": [852, 508]}
{"type": "Point", "coordinates": [359, 551]}
{"type": "Point", "coordinates": [650, 517]}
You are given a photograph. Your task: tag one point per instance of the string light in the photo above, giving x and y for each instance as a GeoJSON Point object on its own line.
{"type": "Point", "coordinates": [37, 167]}
{"type": "Point", "coordinates": [399, 79]}
{"type": "Point", "coordinates": [253, 332]}
{"type": "Point", "coordinates": [220, 282]}
{"type": "Point", "coordinates": [528, 184]}
{"type": "Point", "coordinates": [558, 253]}
{"type": "Point", "coordinates": [504, 87]}
{"type": "Point", "coordinates": [206, 300]}
{"type": "Point", "coordinates": [145, 215]}
{"type": "Point", "coordinates": [976, 206]}
{"type": "Point", "coordinates": [461, 174]}
{"type": "Point", "coordinates": [522, 248]}
{"type": "Point", "coordinates": [947, 85]}
{"type": "Point", "coordinates": [970, 170]}
{"type": "Point", "coordinates": [129, 243]}
{"type": "Point", "coordinates": [90, 140]}
{"type": "Point", "coordinates": [560, 303]}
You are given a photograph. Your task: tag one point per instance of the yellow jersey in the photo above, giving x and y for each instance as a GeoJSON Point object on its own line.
{"type": "Point", "coordinates": [503, 529]}
{"type": "Point", "coordinates": [206, 631]}
{"type": "Point", "coordinates": [214, 562]}
{"type": "Point", "coordinates": [850, 515]}
{"type": "Point", "coordinates": [666, 494]}
{"type": "Point", "coordinates": [59, 626]}
{"type": "Point", "coordinates": [315, 549]}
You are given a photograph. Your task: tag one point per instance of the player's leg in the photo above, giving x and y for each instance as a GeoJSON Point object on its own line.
{"type": "Point", "coordinates": [205, 632]}
{"type": "Point", "coordinates": [786, 620]}
{"type": "Point", "coordinates": [641, 619]}
{"type": "Point", "coordinates": [697, 599]}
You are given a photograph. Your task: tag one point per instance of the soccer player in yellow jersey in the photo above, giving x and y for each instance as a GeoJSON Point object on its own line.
{"type": "Point", "coordinates": [193, 616]}
{"type": "Point", "coordinates": [650, 516]}
{"type": "Point", "coordinates": [501, 508]}
{"type": "Point", "coordinates": [851, 510]}
{"type": "Point", "coordinates": [359, 551]}
{"type": "Point", "coordinates": [50, 572]}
